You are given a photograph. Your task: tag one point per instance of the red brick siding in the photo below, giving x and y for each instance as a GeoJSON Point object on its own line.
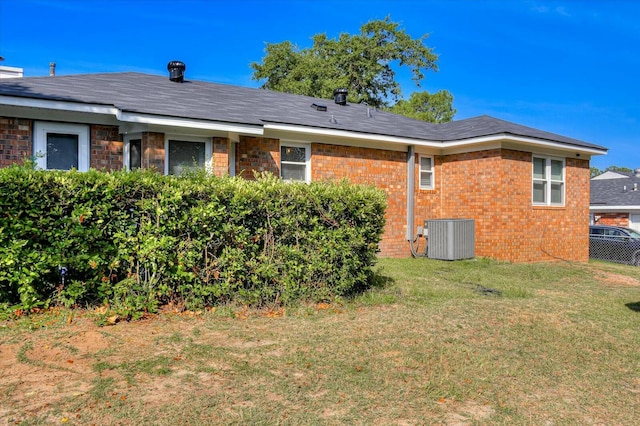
{"type": "Point", "coordinates": [220, 156]}
{"type": "Point", "coordinates": [257, 155]}
{"type": "Point", "coordinates": [386, 170]}
{"type": "Point", "coordinates": [106, 148]}
{"type": "Point", "coordinates": [493, 187]}
{"type": "Point", "coordinates": [15, 140]}
{"type": "Point", "coordinates": [613, 219]}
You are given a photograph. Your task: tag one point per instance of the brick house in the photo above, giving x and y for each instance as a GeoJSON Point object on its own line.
{"type": "Point", "coordinates": [615, 199]}
{"type": "Point", "coordinates": [527, 190]}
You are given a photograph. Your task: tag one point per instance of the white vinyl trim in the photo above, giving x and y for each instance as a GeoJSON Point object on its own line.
{"type": "Point", "coordinates": [43, 128]}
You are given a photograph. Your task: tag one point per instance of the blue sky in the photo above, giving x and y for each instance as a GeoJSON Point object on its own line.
{"type": "Point", "coordinates": [571, 67]}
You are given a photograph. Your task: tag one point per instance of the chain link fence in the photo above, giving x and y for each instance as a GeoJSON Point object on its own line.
{"type": "Point", "coordinates": [620, 245]}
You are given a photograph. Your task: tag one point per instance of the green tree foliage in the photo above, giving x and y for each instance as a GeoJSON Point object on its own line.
{"type": "Point", "coordinates": [362, 63]}
{"type": "Point", "coordinates": [434, 108]}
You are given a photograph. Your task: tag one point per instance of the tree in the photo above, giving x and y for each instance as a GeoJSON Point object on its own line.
{"type": "Point", "coordinates": [362, 63]}
{"type": "Point", "coordinates": [436, 108]}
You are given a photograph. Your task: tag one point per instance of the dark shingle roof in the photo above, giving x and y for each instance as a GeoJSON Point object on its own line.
{"type": "Point", "coordinates": [615, 192]}
{"type": "Point", "coordinates": [150, 94]}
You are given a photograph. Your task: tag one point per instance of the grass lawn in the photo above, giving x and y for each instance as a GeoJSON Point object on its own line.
{"type": "Point", "coordinates": [451, 343]}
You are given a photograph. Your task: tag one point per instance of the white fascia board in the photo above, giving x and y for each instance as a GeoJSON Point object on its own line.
{"type": "Point", "coordinates": [613, 208]}
{"type": "Point", "coordinates": [434, 143]}
{"type": "Point", "coordinates": [189, 123]}
{"type": "Point", "coordinates": [346, 134]}
{"type": "Point", "coordinates": [58, 105]}
{"type": "Point", "coordinates": [528, 141]}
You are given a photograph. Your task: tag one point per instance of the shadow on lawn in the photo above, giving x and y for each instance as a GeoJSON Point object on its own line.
{"type": "Point", "coordinates": [635, 306]}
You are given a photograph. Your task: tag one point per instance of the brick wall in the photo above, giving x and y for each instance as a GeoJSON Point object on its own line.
{"type": "Point", "coordinates": [386, 170]}
{"type": "Point", "coordinates": [493, 187]}
{"type": "Point", "coordinates": [15, 140]}
{"type": "Point", "coordinates": [259, 155]}
{"type": "Point", "coordinates": [613, 219]}
{"type": "Point", "coordinates": [220, 156]}
{"type": "Point", "coordinates": [106, 148]}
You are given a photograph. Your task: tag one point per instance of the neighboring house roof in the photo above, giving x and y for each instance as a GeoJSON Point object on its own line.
{"type": "Point", "coordinates": [615, 193]}
{"type": "Point", "coordinates": [133, 95]}
{"type": "Point", "coordinates": [610, 174]}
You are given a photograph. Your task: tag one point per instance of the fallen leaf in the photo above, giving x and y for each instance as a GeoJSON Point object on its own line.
{"type": "Point", "coordinates": [112, 319]}
{"type": "Point", "coordinates": [70, 361]}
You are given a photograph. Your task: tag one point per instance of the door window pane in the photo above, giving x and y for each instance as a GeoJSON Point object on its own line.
{"type": "Point", "coordinates": [135, 154]}
{"type": "Point", "coordinates": [62, 151]}
{"type": "Point", "coordinates": [184, 155]}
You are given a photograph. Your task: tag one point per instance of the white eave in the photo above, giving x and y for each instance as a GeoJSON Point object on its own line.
{"type": "Point", "coordinates": [129, 117]}
{"type": "Point", "coordinates": [58, 105]}
{"type": "Point", "coordinates": [159, 120]}
{"type": "Point", "coordinates": [439, 144]}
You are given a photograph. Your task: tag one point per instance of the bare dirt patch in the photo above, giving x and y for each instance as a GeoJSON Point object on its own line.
{"type": "Point", "coordinates": [615, 280]}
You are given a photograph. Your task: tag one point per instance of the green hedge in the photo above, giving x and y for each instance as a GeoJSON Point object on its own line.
{"type": "Point", "coordinates": [135, 240]}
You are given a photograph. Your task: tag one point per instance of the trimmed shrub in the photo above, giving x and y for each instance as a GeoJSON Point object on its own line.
{"type": "Point", "coordinates": [136, 240]}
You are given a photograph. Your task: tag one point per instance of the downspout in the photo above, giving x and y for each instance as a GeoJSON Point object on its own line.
{"type": "Point", "coordinates": [411, 183]}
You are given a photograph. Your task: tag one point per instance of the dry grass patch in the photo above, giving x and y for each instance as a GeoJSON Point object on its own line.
{"type": "Point", "coordinates": [555, 344]}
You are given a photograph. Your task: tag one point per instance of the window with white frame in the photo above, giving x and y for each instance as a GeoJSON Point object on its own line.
{"type": "Point", "coordinates": [185, 153]}
{"type": "Point", "coordinates": [426, 172]}
{"type": "Point", "coordinates": [548, 181]}
{"type": "Point", "coordinates": [61, 146]}
{"type": "Point", "coordinates": [295, 162]}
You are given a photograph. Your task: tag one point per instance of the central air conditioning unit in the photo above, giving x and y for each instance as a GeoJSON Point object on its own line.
{"type": "Point", "coordinates": [451, 239]}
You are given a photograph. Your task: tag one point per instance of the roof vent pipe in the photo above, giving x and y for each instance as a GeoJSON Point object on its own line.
{"type": "Point", "coordinates": [176, 71]}
{"type": "Point", "coordinates": [52, 69]}
{"type": "Point", "coordinates": [340, 96]}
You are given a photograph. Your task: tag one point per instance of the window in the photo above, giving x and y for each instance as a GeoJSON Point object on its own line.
{"type": "Point", "coordinates": [548, 181]}
{"type": "Point", "coordinates": [61, 146]}
{"type": "Point", "coordinates": [426, 172]}
{"type": "Point", "coordinates": [295, 162]}
{"type": "Point", "coordinates": [183, 154]}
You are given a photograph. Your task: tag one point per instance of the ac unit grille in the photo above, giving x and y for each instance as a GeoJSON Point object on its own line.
{"type": "Point", "coordinates": [451, 239]}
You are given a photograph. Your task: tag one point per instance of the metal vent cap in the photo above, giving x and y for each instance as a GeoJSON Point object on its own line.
{"type": "Point", "coordinates": [176, 71]}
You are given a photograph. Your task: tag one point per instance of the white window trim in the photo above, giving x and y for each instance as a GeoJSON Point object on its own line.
{"type": "Point", "coordinates": [432, 171]}
{"type": "Point", "coordinates": [547, 162]}
{"type": "Point", "coordinates": [307, 161]}
{"type": "Point", "coordinates": [42, 128]}
{"type": "Point", "coordinates": [208, 149]}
